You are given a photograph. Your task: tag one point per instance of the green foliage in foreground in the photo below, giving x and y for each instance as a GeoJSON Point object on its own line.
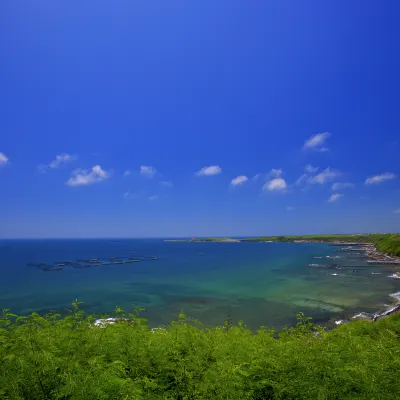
{"type": "Point", "coordinates": [64, 358]}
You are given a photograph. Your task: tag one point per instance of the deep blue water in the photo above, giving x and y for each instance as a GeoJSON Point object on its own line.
{"type": "Point", "coordinates": [259, 283]}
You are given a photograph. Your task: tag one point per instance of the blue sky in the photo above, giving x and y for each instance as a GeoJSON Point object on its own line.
{"type": "Point", "coordinates": [231, 118]}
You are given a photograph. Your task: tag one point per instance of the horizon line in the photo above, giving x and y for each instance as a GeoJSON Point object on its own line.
{"type": "Point", "coordinates": [186, 236]}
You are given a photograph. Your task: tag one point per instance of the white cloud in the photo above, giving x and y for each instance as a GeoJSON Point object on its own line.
{"type": "Point", "coordinates": [289, 208]}
{"type": "Point", "coordinates": [335, 197]}
{"type": "Point", "coordinates": [153, 198]}
{"type": "Point", "coordinates": [342, 185]}
{"type": "Point", "coordinates": [147, 171]}
{"type": "Point", "coordinates": [310, 169]}
{"type": "Point", "coordinates": [208, 171]}
{"type": "Point", "coordinates": [167, 184]}
{"type": "Point", "coordinates": [129, 195]}
{"type": "Point", "coordinates": [60, 159]}
{"type": "Point", "coordinates": [397, 211]}
{"type": "Point", "coordinates": [317, 141]}
{"type": "Point", "coordinates": [387, 176]}
{"type": "Point", "coordinates": [274, 185]}
{"type": "Point", "coordinates": [3, 159]}
{"type": "Point", "coordinates": [83, 177]}
{"type": "Point", "coordinates": [239, 180]}
{"type": "Point", "coordinates": [324, 176]}
{"type": "Point", "coordinates": [275, 173]}
{"type": "Point", "coordinates": [127, 172]}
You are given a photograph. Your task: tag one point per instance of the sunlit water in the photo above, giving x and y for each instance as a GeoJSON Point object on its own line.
{"type": "Point", "coordinates": [259, 283]}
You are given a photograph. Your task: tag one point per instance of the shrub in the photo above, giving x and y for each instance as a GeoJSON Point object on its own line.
{"type": "Point", "coordinates": [54, 357]}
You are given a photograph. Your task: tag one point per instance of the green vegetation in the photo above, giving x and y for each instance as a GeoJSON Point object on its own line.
{"type": "Point", "coordinates": [67, 357]}
{"type": "Point", "coordinates": [211, 239]}
{"type": "Point", "coordinates": [384, 242]}
{"type": "Point", "coordinates": [54, 357]}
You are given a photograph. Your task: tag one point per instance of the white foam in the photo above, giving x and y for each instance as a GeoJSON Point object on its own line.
{"type": "Point", "coordinates": [396, 295]}
{"type": "Point", "coordinates": [361, 315]}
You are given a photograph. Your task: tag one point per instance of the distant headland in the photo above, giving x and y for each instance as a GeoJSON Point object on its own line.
{"type": "Point", "coordinates": [380, 245]}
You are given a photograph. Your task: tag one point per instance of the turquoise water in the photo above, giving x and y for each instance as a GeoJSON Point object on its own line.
{"type": "Point", "coordinates": [259, 283]}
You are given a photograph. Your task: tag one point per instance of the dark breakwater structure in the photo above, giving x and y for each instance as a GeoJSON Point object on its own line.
{"type": "Point", "coordinates": [90, 262]}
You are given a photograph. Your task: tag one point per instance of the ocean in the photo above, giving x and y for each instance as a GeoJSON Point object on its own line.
{"type": "Point", "coordinates": [258, 283]}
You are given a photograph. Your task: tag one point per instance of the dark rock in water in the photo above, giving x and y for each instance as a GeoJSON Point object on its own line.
{"type": "Point", "coordinates": [52, 269]}
{"type": "Point", "coordinates": [387, 312]}
{"type": "Point", "coordinates": [328, 266]}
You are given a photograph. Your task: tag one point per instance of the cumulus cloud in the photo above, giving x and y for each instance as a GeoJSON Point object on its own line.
{"type": "Point", "coordinates": [239, 180]}
{"type": "Point", "coordinates": [317, 142]}
{"type": "Point", "coordinates": [322, 177]}
{"type": "Point", "coordinates": [373, 180]}
{"type": "Point", "coordinates": [289, 208]}
{"type": "Point", "coordinates": [3, 159]}
{"type": "Point", "coordinates": [342, 185]}
{"type": "Point", "coordinates": [397, 211]}
{"type": "Point", "coordinates": [153, 198]}
{"type": "Point", "coordinates": [310, 169]}
{"type": "Point", "coordinates": [84, 177]}
{"type": "Point", "coordinates": [127, 172]}
{"type": "Point", "coordinates": [335, 197]}
{"type": "Point", "coordinates": [167, 184]}
{"type": "Point", "coordinates": [275, 173]}
{"type": "Point", "coordinates": [60, 159]}
{"type": "Point", "coordinates": [275, 185]}
{"type": "Point", "coordinates": [325, 176]}
{"type": "Point", "coordinates": [147, 171]}
{"type": "Point", "coordinates": [208, 171]}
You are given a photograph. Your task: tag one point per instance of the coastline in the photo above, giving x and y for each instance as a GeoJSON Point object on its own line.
{"type": "Point", "coordinates": [367, 243]}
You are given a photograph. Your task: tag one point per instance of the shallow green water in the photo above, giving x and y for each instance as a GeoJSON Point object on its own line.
{"type": "Point", "coordinates": [260, 283]}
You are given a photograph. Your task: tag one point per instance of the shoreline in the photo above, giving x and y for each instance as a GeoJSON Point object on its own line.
{"type": "Point", "coordinates": [375, 256]}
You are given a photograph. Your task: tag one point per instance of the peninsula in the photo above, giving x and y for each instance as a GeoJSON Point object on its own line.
{"type": "Point", "coordinates": [378, 244]}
